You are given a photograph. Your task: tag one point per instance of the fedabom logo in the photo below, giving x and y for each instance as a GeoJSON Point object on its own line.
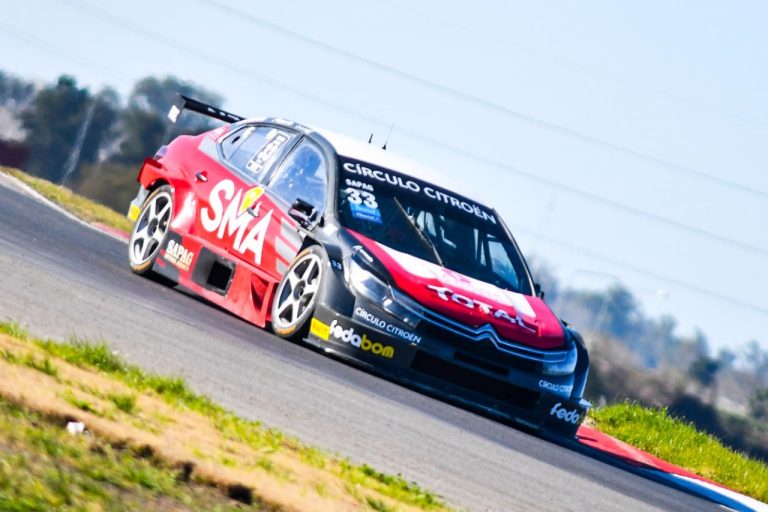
{"type": "Point", "coordinates": [361, 342]}
{"type": "Point", "coordinates": [564, 414]}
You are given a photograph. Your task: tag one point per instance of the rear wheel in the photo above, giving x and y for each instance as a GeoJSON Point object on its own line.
{"type": "Point", "coordinates": [296, 295]}
{"type": "Point", "coordinates": [150, 229]}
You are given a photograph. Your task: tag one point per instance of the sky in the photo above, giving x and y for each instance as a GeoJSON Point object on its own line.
{"type": "Point", "coordinates": [622, 142]}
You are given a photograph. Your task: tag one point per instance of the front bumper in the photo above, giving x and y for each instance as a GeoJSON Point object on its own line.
{"type": "Point", "coordinates": [474, 373]}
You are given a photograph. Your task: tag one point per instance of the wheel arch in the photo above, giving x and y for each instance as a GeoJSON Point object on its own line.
{"type": "Point", "coordinates": [157, 183]}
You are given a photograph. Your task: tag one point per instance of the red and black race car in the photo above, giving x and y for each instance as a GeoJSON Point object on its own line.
{"type": "Point", "coordinates": [352, 249]}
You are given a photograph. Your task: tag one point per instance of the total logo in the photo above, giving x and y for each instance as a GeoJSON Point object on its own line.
{"type": "Point", "coordinates": [448, 295]}
{"type": "Point", "coordinates": [363, 343]}
{"type": "Point", "coordinates": [227, 216]}
{"type": "Point", "coordinates": [565, 414]}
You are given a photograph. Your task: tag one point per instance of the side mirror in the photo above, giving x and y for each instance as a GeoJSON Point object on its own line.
{"type": "Point", "coordinates": [303, 212]}
{"type": "Point", "coordinates": [538, 291]}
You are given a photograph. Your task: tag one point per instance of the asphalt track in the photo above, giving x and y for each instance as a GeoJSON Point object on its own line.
{"type": "Point", "coordinates": [61, 278]}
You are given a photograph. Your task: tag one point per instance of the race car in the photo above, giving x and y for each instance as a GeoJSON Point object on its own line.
{"type": "Point", "coordinates": [348, 247]}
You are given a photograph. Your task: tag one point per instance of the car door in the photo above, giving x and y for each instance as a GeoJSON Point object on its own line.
{"type": "Point", "coordinates": [234, 213]}
{"type": "Point", "coordinates": [299, 186]}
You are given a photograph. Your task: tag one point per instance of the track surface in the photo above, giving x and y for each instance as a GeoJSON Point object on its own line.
{"type": "Point", "coordinates": [62, 278]}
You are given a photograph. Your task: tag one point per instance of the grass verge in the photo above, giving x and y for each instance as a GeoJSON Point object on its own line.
{"type": "Point", "coordinates": [77, 205]}
{"type": "Point", "coordinates": [152, 440]}
{"type": "Point", "coordinates": [42, 467]}
{"type": "Point", "coordinates": [678, 442]}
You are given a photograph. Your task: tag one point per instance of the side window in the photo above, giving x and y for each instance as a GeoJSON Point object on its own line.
{"type": "Point", "coordinates": [253, 148]}
{"type": "Point", "coordinates": [500, 262]}
{"type": "Point", "coordinates": [302, 175]}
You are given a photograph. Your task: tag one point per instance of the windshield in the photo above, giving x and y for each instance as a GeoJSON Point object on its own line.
{"type": "Point", "coordinates": [430, 223]}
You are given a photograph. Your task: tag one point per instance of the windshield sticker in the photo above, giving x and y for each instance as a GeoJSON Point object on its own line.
{"type": "Point", "coordinates": [275, 140]}
{"type": "Point", "coordinates": [357, 196]}
{"type": "Point", "coordinates": [359, 184]}
{"type": "Point", "coordinates": [363, 212]}
{"type": "Point", "coordinates": [412, 186]}
{"type": "Point", "coordinates": [363, 205]}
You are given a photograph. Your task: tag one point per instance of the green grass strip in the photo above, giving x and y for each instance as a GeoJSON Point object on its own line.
{"type": "Point", "coordinates": [43, 468]}
{"type": "Point", "coordinates": [678, 442]}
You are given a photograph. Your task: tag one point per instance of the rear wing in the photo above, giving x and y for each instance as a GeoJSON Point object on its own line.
{"type": "Point", "coordinates": [187, 103]}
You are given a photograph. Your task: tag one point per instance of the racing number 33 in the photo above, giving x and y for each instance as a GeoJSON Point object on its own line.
{"type": "Point", "coordinates": [358, 197]}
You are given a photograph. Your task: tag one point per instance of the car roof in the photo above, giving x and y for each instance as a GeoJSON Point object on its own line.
{"type": "Point", "coordinates": [375, 155]}
{"type": "Point", "coordinates": [361, 150]}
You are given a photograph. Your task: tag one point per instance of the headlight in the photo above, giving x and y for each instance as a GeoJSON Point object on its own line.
{"type": "Point", "coordinates": [564, 367]}
{"type": "Point", "coordinates": [380, 293]}
{"type": "Point", "coordinates": [366, 284]}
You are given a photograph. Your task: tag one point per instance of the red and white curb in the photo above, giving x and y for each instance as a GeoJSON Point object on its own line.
{"type": "Point", "coordinates": [660, 470]}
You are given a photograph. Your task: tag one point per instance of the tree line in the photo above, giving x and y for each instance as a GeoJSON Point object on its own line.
{"type": "Point", "coordinates": [92, 142]}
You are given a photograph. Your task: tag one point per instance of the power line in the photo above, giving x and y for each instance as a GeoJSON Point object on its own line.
{"type": "Point", "coordinates": [126, 25]}
{"type": "Point", "coordinates": [611, 203]}
{"type": "Point", "coordinates": [567, 63]}
{"type": "Point", "coordinates": [51, 48]}
{"type": "Point", "coordinates": [485, 103]}
{"type": "Point", "coordinates": [644, 271]}
{"type": "Point", "coordinates": [214, 58]}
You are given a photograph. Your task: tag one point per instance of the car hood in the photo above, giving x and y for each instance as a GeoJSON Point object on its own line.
{"type": "Point", "coordinates": [516, 317]}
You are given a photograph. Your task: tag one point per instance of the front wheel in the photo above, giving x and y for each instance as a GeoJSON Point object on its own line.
{"type": "Point", "coordinates": [296, 295]}
{"type": "Point", "coordinates": [150, 229]}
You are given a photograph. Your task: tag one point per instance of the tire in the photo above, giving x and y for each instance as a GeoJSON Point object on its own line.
{"type": "Point", "coordinates": [150, 230]}
{"type": "Point", "coordinates": [296, 294]}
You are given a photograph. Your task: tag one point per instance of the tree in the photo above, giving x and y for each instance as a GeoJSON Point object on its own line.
{"type": "Point", "coordinates": [143, 123]}
{"type": "Point", "coordinates": [65, 128]}
{"type": "Point", "coordinates": [704, 371]}
{"type": "Point", "coordinates": [758, 404]}
{"type": "Point", "coordinates": [756, 361]}
{"type": "Point", "coordinates": [15, 93]}
{"type": "Point", "coordinates": [545, 276]}
{"type": "Point", "coordinates": [620, 311]}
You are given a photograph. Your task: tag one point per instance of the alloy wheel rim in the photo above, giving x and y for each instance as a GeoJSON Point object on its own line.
{"type": "Point", "coordinates": [150, 228]}
{"type": "Point", "coordinates": [298, 290]}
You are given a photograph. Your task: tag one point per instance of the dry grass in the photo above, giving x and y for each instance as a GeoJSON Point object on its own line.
{"type": "Point", "coordinates": [161, 417]}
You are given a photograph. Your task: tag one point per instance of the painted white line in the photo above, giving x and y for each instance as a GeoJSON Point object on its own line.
{"type": "Point", "coordinates": [16, 184]}
{"type": "Point", "coordinates": [726, 497]}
